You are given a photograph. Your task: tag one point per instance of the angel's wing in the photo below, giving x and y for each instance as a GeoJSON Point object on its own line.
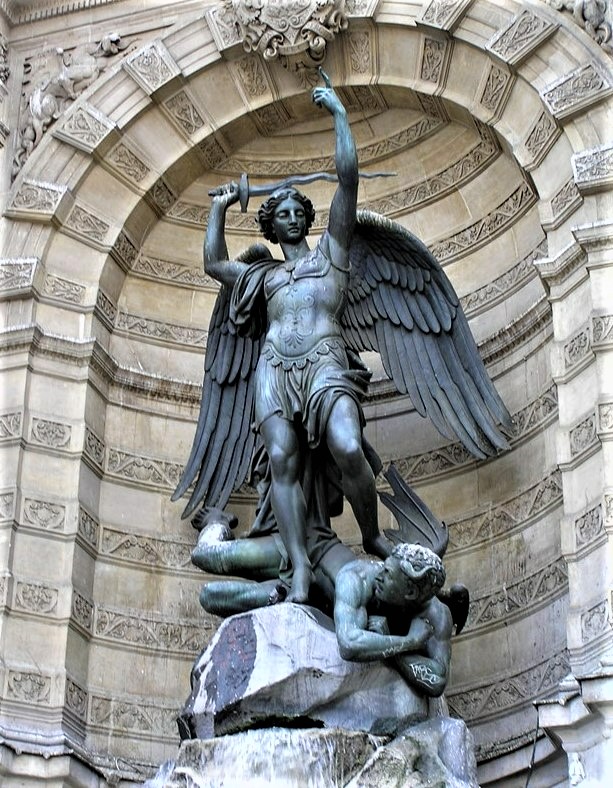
{"type": "Point", "coordinates": [402, 305]}
{"type": "Point", "coordinates": [223, 444]}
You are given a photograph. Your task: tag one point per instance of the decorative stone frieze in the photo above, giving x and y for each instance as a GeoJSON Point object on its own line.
{"type": "Point", "coordinates": [500, 288]}
{"type": "Point", "coordinates": [435, 60]}
{"type": "Point", "coordinates": [51, 434]}
{"type": "Point", "coordinates": [595, 621]}
{"type": "Point", "coordinates": [35, 598]}
{"type": "Point", "coordinates": [525, 33]}
{"type": "Point", "coordinates": [64, 290]}
{"type": "Point", "coordinates": [297, 40]}
{"type": "Point", "coordinates": [151, 632]}
{"type": "Point", "coordinates": [563, 203]}
{"type": "Point", "coordinates": [105, 310]}
{"type": "Point", "coordinates": [151, 67]}
{"type": "Point", "coordinates": [395, 143]}
{"type": "Point", "coordinates": [584, 436]}
{"type": "Point", "coordinates": [589, 526]}
{"type": "Point", "coordinates": [28, 687]}
{"type": "Point", "coordinates": [134, 716]}
{"type": "Point", "coordinates": [454, 455]}
{"type": "Point", "coordinates": [540, 139]}
{"type": "Point", "coordinates": [191, 214]}
{"type": "Point", "coordinates": [443, 14]}
{"type": "Point", "coordinates": [177, 273]}
{"type": "Point", "coordinates": [496, 89]}
{"type": "Point", "coordinates": [518, 597]}
{"type": "Point", "coordinates": [127, 163]}
{"type": "Point", "coordinates": [55, 78]}
{"type": "Point", "coordinates": [87, 226]}
{"type": "Point", "coordinates": [161, 196]}
{"type": "Point", "coordinates": [592, 17]}
{"type": "Point", "coordinates": [85, 128]}
{"type": "Point", "coordinates": [482, 231]}
{"type": "Point", "coordinates": [593, 169]}
{"type": "Point", "coordinates": [17, 275]}
{"type": "Point", "coordinates": [507, 517]}
{"type": "Point", "coordinates": [82, 612]}
{"type": "Point", "coordinates": [87, 528]}
{"type": "Point", "coordinates": [7, 506]}
{"type": "Point", "coordinates": [93, 448]}
{"type": "Point", "coordinates": [211, 152]}
{"type": "Point", "coordinates": [577, 348]}
{"type": "Point", "coordinates": [156, 330]}
{"type": "Point", "coordinates": [184, 113]}
{"type": "Point", "coordinates": [124, 251]}
{"type": "Point", "coordinates": [602, 330]}
{"type": "Point", "coordinates": [251, 77]}
{"type": "Point", "coordinates": [37, 200]}
{"type": "Point", "coordinates": [522, 687]}
{"type": "Point", "coordinates": [271, 118]}
{"type": "Point", "coordinates": [576, 91]}
{"type": "Point", "coordinates": [144, 471]}
{"type": "Point", "coordinates": [147, 550]}
{"type": "Point", "coordinates": [360, 50]}
{"type": "Point", "coordinates": [433, 106]}
{"type": "Point", "coordinates": [605, 417]}
{"type": "Point", "coordinates": [44, 514]}
{"type": "Point", "coordinates": [76, 699]}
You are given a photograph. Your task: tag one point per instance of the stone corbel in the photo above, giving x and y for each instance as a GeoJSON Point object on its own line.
{"type": "Point", "coordinates": [298, 41]}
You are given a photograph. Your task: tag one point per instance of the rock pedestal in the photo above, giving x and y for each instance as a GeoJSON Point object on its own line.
{"type": "Point", "coordinates": [280, 666]}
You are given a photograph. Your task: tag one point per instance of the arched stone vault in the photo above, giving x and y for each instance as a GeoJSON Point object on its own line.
{"type": "Point", "coordinates": [500, 111]}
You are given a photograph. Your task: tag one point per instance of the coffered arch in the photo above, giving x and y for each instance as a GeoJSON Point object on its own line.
{"type": "Point", "coordinates": [495, 126]}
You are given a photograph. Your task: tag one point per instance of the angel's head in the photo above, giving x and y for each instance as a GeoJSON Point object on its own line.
{"type": "Point", "coordinates": [271, 208]}
{"type": "Point", "coordinates": [411, 574]}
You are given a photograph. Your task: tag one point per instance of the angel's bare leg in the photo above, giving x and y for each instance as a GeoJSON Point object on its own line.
{"type": "Point", "coordinates": [344, 438]}
{"type": "Point", "coordinates": [256, 559]}
{"type": "Point", "coordinates": [288, 503]}
{"type": "Point", "coordinates": [227, 597]}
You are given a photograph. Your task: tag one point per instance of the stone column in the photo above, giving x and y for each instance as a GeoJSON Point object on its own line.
{"type": "Point", "coordinates": [580, 281]}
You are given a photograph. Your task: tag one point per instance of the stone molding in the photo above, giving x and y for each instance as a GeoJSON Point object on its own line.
{"type": "Point", "coordinates": [521, 37]}
{"type": "Point", "coordinates": [518, 599]}
{"type": "Point", "coordinates": [151, 67]}
{"type": "Point", "coordinates": [159, 331]}
{"type": "Point", "coordinates": [38, 201]}
{"type": "Point", "coordinates": [523, 328]}
{"type": "Point", "coordinates": [593, 169]}
{"type": "Point", "coordinates": [178, 274]}
{"type": "Point", "coordinates": [563, 203]}
{"type": "Point", "coordinates": [443, 14]}
{"type": "Point", "coordinates": [503, 286]}
{"type": "Point", "coordinates": [145, 550]}
{"type": "Point", "coordinates": [484, 230]}
{"type": "Point", "coordinates": [7, 505]}
{"type": "Point", "coordinates": [487, 701]}
{"type": "Point", "coordinates": [85, 128]}
{"type": "Point", "coordinates": [497, 522]}
{"type": "Point", "coordinates": [535, 416]}
{"type": "Point", "coordinates": [576, 91]}
{"type": "Point", "coordinates": [369, 153]}
{"type": "Point", "coordinates": [143, 471]}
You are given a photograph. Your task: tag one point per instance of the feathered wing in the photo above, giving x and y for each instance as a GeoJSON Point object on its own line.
{"type": "Point", "coordinates": [402, 305]}
{"type": "Point", "coordinates": [223, 444]}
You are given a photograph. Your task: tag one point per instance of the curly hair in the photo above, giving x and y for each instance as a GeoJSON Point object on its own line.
{"type": "Point", "coordinates": [421, 565]}
{"type": "Point", "coordinates": [268, 208]}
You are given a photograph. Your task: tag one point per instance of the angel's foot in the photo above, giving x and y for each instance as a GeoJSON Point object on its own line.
{"type": "Point", "coordinates": [379, 546]}
{"type": "Point", "coordinates": [301, 583]}
{"type": "Point", "coordinates": [278, 594]}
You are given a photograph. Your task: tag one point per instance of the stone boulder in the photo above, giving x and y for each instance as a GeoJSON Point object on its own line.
{"type": "Point", "coordinates": [280, 666]}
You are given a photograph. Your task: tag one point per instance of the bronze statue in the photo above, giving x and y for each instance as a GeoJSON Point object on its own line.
{"type": "Point", "coordinates": [283, 355]}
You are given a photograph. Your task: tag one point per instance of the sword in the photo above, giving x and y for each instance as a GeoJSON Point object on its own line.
{"type": "Point", "coordinates": [245, 190]}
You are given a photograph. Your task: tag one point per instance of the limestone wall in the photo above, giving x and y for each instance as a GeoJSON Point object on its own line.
{"type": "Point", "coordinates": [494, 117]}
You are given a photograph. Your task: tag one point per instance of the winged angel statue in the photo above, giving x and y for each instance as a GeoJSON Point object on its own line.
{"type": "Point", "coordinates": [283, 382]}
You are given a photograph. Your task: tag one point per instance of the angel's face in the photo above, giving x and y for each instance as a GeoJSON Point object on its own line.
{"type": "Point", "coordinates": [289, 221]}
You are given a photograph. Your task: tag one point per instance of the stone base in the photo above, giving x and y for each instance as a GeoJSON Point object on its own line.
{"type": "Point", "coordinates": [433, 754]}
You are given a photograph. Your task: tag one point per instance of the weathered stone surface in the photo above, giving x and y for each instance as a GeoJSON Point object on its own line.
{"type": "Point", "coordinates": [437, 752]}
{"type": "Point", "coordinates": [252, 674]}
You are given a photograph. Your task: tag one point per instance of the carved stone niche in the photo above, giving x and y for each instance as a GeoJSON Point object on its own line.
{"type": "Point", "coordinates": [295, 33]}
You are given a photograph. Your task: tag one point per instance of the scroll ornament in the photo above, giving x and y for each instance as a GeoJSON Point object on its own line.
{"type": "Point", "coordinates": [295, 32]}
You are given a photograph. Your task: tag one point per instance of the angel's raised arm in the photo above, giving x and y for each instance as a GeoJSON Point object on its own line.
{"type": "Point", "coordinates": [343, 207]}
{"type": "Point", "coordinates": [215, 252]}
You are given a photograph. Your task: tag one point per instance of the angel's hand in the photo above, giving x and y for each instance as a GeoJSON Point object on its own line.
{"type": "Point", "coordinates": [225, 195]}
{"type": "Point", "coordinates": [326, 97]}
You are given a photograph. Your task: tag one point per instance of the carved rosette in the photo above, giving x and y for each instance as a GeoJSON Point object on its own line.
{"type": "Point", "coordinates": [295, 32]}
